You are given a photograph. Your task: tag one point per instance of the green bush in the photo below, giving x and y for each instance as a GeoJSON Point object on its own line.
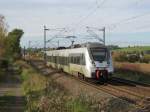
{"type": "Point", "coordinates": [146, 59]}
{"type": "Point", "coordinates": [121, 57]}
{"type": "Point", "coordinates": [132, 75]}
{"type": "Point", "coordinates": [133, 58]}
{"type": "Point", "coordinates": [4, 63]}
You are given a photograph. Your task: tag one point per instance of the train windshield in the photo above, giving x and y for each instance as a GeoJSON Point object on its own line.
{"type": "Point", "coordinates": [99, 54]}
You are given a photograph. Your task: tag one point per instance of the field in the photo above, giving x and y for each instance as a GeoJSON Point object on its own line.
{"type": "Point", "coordinates": [131, 49]}
{"type": "Point", "coordinates": [132, 68]}
{"type": "Point", "coordinates": [138, 67]}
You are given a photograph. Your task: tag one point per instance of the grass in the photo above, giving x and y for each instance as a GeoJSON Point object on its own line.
{"type": "Point", "coordinates": [135, 67]}
{"type": "Point", "coordinates": [1, 74]}
{"type": "Point", "coordinates": [45, 95]}
{"type": "Point", "coordinates": [138, 72]}
{"type": "Point", "coordinates": [132, 75]}
{"type": "Point", "coordinates": [11, 98]}
{"type": "Point", "coordinates": [131, 49]}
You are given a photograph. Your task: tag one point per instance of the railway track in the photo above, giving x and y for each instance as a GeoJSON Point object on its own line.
{"type": "Point", "coordinates": [123, 89]}
{"type": "Point", "coordinates": [121, 93]}
{"type": "Point", "coordinates": [131, 82]}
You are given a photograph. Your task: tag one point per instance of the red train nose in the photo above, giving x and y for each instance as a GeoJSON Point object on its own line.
{"type": "Point", "coordinates": [101, 73]}
{"type": "Point", "coordinates": [97, 74]}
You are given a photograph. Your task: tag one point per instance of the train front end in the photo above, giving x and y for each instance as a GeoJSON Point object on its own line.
{"type": "Point", "coordinates": [101, 61]}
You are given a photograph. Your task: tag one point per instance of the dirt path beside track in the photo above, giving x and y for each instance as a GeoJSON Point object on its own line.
{"type": "Point", "coordinates": [11, 95]}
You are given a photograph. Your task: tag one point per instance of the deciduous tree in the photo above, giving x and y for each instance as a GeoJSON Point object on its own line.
{"type": "Point", "coordinates": [3, 33]}
{"type": "Point", "coordinates": [13, 43]}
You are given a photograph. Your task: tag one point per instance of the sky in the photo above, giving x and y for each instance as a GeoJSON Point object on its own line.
{"type": "Point", "coordinates": [127, 22]}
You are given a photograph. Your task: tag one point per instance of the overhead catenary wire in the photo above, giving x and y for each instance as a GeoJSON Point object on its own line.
{"type": "Point", "coordinates": [84, 18]}
{"type": "Point", "coordinates": [114, 25]}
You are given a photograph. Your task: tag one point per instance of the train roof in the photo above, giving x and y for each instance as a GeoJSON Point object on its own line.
{"type": "Point", "coordinates": [92, 45]}
{"type": "Point", "coordinates": [80, 46]}
{"type": "Point", "coordinates": [89, 44]}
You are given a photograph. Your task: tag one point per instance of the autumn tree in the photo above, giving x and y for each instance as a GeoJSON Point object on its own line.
{"type": "Point", "coordinates": [3, 33]}
{"type": "Point", "coordinates": [9, 42]}
{"type": "Point", "coordinates": [13, 43]}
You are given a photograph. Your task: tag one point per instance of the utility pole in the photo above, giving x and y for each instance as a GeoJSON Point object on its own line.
{"type": "Point", "coordinates": [45, 29]}
{"type": "Point", "coordinates": [29, 49]}
{"type": "Point", "coordinates": [58, 43]}
{"type": "Point", "coordinates": [72, 42]}
{"type": "Point", "coordinates": [104, 34]}
{"type": "Point", "coordinates": [24, 53]}
{"type": "Point", "coordinates": [90, 30]}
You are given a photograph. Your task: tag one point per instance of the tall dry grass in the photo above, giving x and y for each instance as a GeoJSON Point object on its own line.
{"type": "Point", "coordinates": [45, 95]}
{"type": "Point", "coordinates": [138, 67]}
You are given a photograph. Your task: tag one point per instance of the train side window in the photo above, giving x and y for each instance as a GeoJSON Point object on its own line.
{"type": "Point", "coordinates": [64, 60]}
{"type": "Point", "coordinates": [70, 59]}
{"type": "Point", "coordinates": [67, 59]}
{"type": "Point", "coordinates": [82, 59]}
{"type": "Point", "coordinates": [55, 59]}
{"type": "Point", "coordinates": [73, 60]}
{"type": "Point", "coordinates": [78, 60]}
{"type": "Point", "coordinates": [52, 58]}
{"type": "Point", "coordinates": [59, 59]}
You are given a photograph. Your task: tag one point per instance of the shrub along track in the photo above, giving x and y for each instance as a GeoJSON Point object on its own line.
{"type": "Point", "coordinates": [132, 92]}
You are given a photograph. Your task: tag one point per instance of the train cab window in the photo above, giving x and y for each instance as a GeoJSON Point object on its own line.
{"type": "Point", "coordinates": [99, 54]}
